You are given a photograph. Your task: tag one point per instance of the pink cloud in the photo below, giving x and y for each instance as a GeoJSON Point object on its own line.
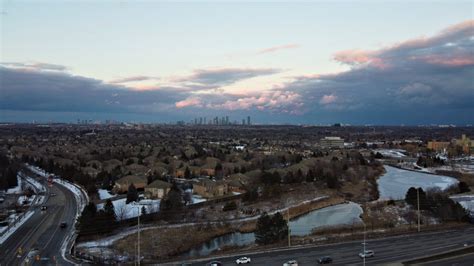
{"type": "Point", "coordinates": [415, 49]}
{"type": "Point", "coordinates": [454, 61]}
{"type": "Point", "coordinates": [132, 79]}
{"type": "Point", "coordinates": [360, 57]}
{"type": "Point", "coordinates": [353, 56]}
{"type": "Point", "coordinates": [191, 101]}
{"type": "Point", "coordinates": [279, 101]}
{"type": "Point", "coordinates": [327, 99]}
{"type": "Point", "coordinates": [277, 48]}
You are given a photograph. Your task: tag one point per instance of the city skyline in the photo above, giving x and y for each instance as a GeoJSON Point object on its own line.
{"type": "Point", "coordinates": [302, 63]}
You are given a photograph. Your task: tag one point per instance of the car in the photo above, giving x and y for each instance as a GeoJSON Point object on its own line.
{"type": "Point", "coordinates": [243, 260]}
{"type": "Point", "coordinates": [53, 194]}
{"type": "Point", "coordinates": [43, 208]}
{"type": "Point", "coordinates": [325, 260]}
{"type": "Point", "coordinates": [63, 225]}
{"type": "Point", "coordinates": [367, 254]}
{"type": "Point", "coordinates": [214, 263]}
{"type": "Point", "coordinates": [291, 263]}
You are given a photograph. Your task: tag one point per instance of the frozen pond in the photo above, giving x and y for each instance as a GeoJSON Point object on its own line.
{"type": "Point", "coordinates": [341, 214]}
{"type": "Point", "coordinates": [395, 182]}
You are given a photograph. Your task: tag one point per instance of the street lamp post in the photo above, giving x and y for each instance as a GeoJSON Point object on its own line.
{"type": "Point", "coordinates": [418, 203]}
{"type": "Point", "coordinates": [288, 223]}
{"type": "Point", "coordinates": [138, 237]}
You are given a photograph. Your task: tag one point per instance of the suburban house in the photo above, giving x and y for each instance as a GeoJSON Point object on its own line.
{"type": "Point", "coordinates": [207, 188]}
{"type": "Point", "coordinates": [122, 184]}
{"type": "Point", "coordinates": [157, 189]}
{"type": "Point", "coordinates": [237, 182]}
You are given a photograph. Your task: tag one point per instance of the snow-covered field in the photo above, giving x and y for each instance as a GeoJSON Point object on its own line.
{"type": "Point", "coordinates": [105, 194]}
{"type": "Point", "coordinates": [131, 210]}
{"type": "Point", "coordinates": [395, 153]}
{"type": "Point", "coordinates": [395, 182]}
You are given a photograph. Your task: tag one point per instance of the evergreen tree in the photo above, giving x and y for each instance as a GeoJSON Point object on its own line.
{"type": "Point", "coordinates": [109, 211]}
{"type": "Point", "coordinates": [463, 187]}
{"type": "Point", "coordinates": [143, 212]}
{"type": "Point", "coordinates": [271, 229]}
{"type": "Point", "coordinates": [132, 194]}
{"type": "Point", "coordinates": [87, 218]}
{"type": "Point", "coordinates": [187, 173]}
{"type": "Point", "coordinates": [173, 200]}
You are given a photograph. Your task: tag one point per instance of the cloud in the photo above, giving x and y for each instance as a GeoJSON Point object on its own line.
{"type": "Point", "coordinates": [132, 79]}
{"type": "Point", "coordinates": [327, 99]}
{"type": "Point", "coordinates": [191, 101]}
{"type": "Point", "coordinates": [423, 80]}
{"type": "Point", "coordinates": [53, 91]}
{"type": "Point", "coordinates": [415, 89]}
{"type": "Point", "coordinates": [278, 48]}
{"type": "Point", "coordinates": [211, 78]}
{"type": "Point", "coordinates": [275, 101]}
{"type": "Point", "coordinates": [429, 75]}
{"type": "Point", "coordinates": [35, 66]}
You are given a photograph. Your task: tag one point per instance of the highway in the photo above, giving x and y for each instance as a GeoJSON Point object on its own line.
{"type": "Point", "coordinates": [42, 232]}
{"type": "Point", "coordinates": [387, 250]}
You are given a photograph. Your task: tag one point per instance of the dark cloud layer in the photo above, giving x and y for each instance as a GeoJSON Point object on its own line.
{"type": "Point", "coordinates": [225, 76]}
{"type": "Point", "coordinates": [61, 92]}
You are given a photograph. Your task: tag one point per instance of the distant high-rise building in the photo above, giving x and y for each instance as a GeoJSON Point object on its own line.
{"type": "Point", "coordinates": [227, 120]}
{"type": "Point", "coordinates": [243, 122]}
{"type": "Point", "coordinates": [248, 120]}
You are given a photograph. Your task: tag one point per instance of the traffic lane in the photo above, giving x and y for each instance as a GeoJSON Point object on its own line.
{"type": "Point", "coordinates": [386, 250]}
{"type": "Point", "coordinates": [54, 209]}
{"type": "Point", "coordinates": [10, 247]}
{"type": "Point", "coordinates": [20, 242]}
{"type": "Point", "coordinates": [52, 250]}
{"type": "Point", "coordinates": [24, 239]}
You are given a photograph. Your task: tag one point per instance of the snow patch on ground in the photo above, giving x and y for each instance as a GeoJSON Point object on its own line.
{"type": "Point", "coordinates": [17, 225]}
{"type": "Point", "coordinates": [131, 210]}
{"type": "Point", "coordinates": [197, 199]}
{"type": "Point", "coordinates": [105, 194]}
{"type": "Point", "coordinates": [394, 153]}
{"type": "Point", "coordinates": [37, 186]}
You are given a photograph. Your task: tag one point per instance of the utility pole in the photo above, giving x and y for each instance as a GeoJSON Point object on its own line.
{"type": "Point", "coordinates": [139, 213]}
{"type": "Point", "coordinates": [288, 223]}
{"type": "Point", "coordinates": [365, 230]}
{"type": "Point", "coordinates": [418, 203]}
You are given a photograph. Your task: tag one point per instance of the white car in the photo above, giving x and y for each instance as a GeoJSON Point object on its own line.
{"type": "Point", "coordinates": [367, 254]}
{"type": "Point", "coordinates": [243, 260]}
{"type": "Point", "coordinates": [291, 263]}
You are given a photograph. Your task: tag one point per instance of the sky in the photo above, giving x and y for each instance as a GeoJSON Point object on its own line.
{"type": "Point", "coordinates": [307, 62]}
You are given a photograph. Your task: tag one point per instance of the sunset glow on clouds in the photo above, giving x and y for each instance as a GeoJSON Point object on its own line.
{"type": "Point", "coordinates": [275, 82]}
